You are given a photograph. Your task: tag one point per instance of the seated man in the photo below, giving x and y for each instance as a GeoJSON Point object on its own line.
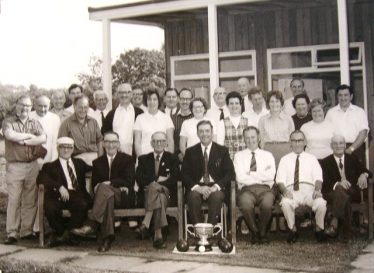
{"type": "Point", "coordinates": [299, 178]}
{"type": "Point", "coordinates": [65, 188]}
{"type": "Point", "coordinates": [113, 178]}
{"type": "Point", "coordinates": [206, 171]}
{"type": "Point", "coordinates": [343, 179]}
{"type": "Point", "coordinates": [255, 171]}
{"type": "Point", "coordinates": [157, 176]}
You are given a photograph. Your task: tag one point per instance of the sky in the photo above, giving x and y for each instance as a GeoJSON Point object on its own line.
{"type": "Point", "coordinates": [48, 42]}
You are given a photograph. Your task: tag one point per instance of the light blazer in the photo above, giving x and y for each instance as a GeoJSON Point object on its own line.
{"type": "Point", "coordinates": [220, 166]}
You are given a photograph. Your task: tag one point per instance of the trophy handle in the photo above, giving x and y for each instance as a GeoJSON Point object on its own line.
{"type": "Point", "coordinates": [218, 228]}
{"type": "Point", "coordinates": [190, 227]}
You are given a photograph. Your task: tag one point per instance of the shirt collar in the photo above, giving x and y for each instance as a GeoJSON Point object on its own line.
{"type": "Point", "coordinates": [337, 159]}
{"type": "Point", "coordinates": [208, 147]}
{"type": "Point", "coordinates": [155, 155]}
{"type": "Point", "coordinates": [130, 106]}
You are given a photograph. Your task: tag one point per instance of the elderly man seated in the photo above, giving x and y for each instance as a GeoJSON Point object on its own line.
{"type": "Point", "coordinates": [299, 178]}
{"type": "Point", "coordinates": [344, 177]}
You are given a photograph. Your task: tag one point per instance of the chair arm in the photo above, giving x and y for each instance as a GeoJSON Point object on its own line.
{"type": "Point", "coordinates": [233, 211]}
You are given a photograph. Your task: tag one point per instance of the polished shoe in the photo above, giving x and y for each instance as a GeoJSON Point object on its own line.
{"type": "Point", "coordinates": [292, 237]}
{"type": "Point", "coordinates": [106, 244]}
{"type": "Point", "coordinates": [142, 232]}
{"type": "Point", "coordinates": [331, 232]}
{"type": "Point", "coordinates": [320, 236]}
{"type": "Point", "coordinates": [159, 244]}
{"type": "Point", "coordinates": [84, 231]}
{"type": "Point", "coordinates": [10, 240]}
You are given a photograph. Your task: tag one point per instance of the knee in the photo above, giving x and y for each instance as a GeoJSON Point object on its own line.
{"type": "Point", "coordinates": [51, 208]}
{"type": "Point", "coordinates": [286, 203]}
{"type": "Point", "coordinates": [217, 196]}
{"type": "Point", "coordinates": [245, 202]}
{"type": "Point", "coordinates": [268, 201]}
{"type": "Point", "coordinates": [193, 197]}
{"type": "Point", "coordinates": [319, 203]}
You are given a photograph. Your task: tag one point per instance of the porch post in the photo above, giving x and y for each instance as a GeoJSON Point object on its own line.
{"type": "Point", "coordinates": [213, 49]}
{"type": "Point", "coordinates": [107, 72]}
{"type": "Point", "coordinates": [343, 42]}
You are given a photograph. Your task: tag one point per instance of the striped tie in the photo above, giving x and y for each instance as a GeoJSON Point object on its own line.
{"type": "Point", "coordinates": [253, 163]}
{"type": "Point", "coordinates": [296, 177]}
{"type": "Point", "coordinates": [73, 179]}
{"type": "Point", "coordinates": [206, 172]}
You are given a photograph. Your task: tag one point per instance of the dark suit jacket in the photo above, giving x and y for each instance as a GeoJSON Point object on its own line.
{"type": "Point", "coordinates": [108, 121]}
{"type": "Point", "coordinates": [220, 166]}
{"type": "Point", "coordinates": [52, 175]}
{"type": "Point", "coordinates": [145, 173]}
{"type": "Point", "coordinates": [331, 175]}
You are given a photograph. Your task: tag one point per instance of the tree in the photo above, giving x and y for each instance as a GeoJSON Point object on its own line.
{"type": "Point", "coordinates": [92, 81]}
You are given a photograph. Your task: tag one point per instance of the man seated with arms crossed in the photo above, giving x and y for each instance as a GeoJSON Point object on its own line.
{"type": "Point", "coordinates": [113, 177]}
{"type": "Point", "coordinates": [344, 177]}
{"type": "Point", "coordinates": [157, 176]}
{"type": "Point", "coordinates": [299, 178]}
{"type": "Point", "coordinates": [206, 171]}
{"type": "Point", "coordinates": [65, 188]}
{"type": "Point", "coordinates": [255, 171]}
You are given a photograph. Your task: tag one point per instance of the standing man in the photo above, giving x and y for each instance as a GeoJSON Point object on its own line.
{"type": "Point", "coordinates": [84, 130]}
{"type": "Point", "coordinates": [157, 175]}
{"type": "Point", "coordinates": [50, 123]}
{"type": "Point", "coordinates": [255, 171]}
{"type": "Point", "coordinates": [65, 188]}
{"type": "Point", "coordinates": [113, 178]}
{"type": "Point", "coordinates": [243, 87]}
{"type": "Point", "coordinates": [74, 91]}
{"type": "Point", "coordinates": [184, 113]}
{"type": "Point", "coordinates": [258, 109]}
{"type": "Point", "coordinates": [220, 110]}
{"type": "Point", "coordinates": [344, 177]}
{"type": "Point", "coordinates": [58, 103]}
{"type": "Point", "coordinates": [101, 101]}
{"type": "Point", "coordinates": [22, 136]}
{"type": "Point", "coordinates": [297, 88]}
{"type": "Point", "coordinates": [122, 119]}
{"type": "Point", "coordinates": [137, 98]}
{"type": "Point", "coordinates": [206, 171]}
{"type": "Point", "coordinates": [350, 121]}
{"type": "Point", "coordinates": [299, 178]}
{"type": "Point", "coordinates": [171, 101]}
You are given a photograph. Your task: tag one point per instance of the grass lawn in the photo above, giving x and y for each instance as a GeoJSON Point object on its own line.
{"type": "Point", "coordinates": [306, 255]}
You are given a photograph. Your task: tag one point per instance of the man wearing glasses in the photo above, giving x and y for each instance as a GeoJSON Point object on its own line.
{"type": "Point", "coordinates": [22, 137]}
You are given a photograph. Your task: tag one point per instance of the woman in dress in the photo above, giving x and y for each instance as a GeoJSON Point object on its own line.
{"type": "Point", "coordinates": [301, 105]}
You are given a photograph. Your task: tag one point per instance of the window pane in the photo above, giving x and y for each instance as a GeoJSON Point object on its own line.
{"type": "Point", "coordinates": [235, 63]}
{"type": "Point", "coordinates": [188, 67]}
{"type": "Point", "coordinates": [291, 60]}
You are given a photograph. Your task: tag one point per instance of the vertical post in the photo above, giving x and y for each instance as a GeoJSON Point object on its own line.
{"type": "Point", "coordinates": [213, 48]}
{"type": "Point", "coordinates": [107, 61]}
{"type": "Point", "coordinates": [343, 42]}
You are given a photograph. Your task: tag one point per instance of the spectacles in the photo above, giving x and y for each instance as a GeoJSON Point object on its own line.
{"type": "Point", "coordinates": [185, 99]}
{"type": "Point", "coordinates": [24, 105]}
{"type": "Point", "coordinates": [297, 140]}
{"type": "Point", "coordinates": [110, 141]}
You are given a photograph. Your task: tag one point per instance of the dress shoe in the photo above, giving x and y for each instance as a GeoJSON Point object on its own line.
{"type": "Point", "coordinates": [84, 231]}
{"type": "Point", "coordinates": [255, 238]}
{"type": "Point", "coordinates": [142, 232]}
{"type": "Point", "coordinates": [292, 237]}
{"type": "Point", "coordinates": [52, 241]}
{"type": "Point", "coordinates": [320, 236]}
{"type": "Point", "coordinates": [331, 232]}
{"type": "Point", "coordinates": [106, 244]}
{"type": "Point", "coordinates": [10, 240]}
{"type": "Point", "coordinates": [159, 244]}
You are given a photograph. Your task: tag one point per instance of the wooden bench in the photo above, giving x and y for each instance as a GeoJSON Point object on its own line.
{"type": "Point", "coordinates": [175, 212]}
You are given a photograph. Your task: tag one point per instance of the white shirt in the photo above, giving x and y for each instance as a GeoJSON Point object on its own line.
{"type": "Point", "coordinates": [221, 128]}
{"type": "Point", "coordinates": [309, 171]}
{"type": "Point", "coordinates": [123, 125]}
{"type": "Point", "coordinates": [168, 110]}
{"type": "Point", "coordinates": [97, 115]}
{"type": "Point", "coordinates": [253, 117]}
{"type": "Point", "coordinates": [63, 163]}
{"type": "Point", "coordinates": [51, 124]}
{"type": "Point", "coordinates": [189, 130]}
{"type": "Point", "coordinates": [265, 168]}
{"type": "Point", "coordinates": [288, 107]}
{"type": "Point", "coordinates": [348, 123]}
{"type": "Point", "coordinates": [214, 113]}
{"type": "Point", "coordinates": [148, 124]}
{"type": "Point", "coordinates": [247, 103]}
{"type": "Point", "coordinates": [318, 138]}
{"type": "Point", "coordinates": [71, 110]}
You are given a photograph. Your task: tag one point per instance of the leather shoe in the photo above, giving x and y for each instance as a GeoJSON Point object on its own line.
{"type": "Point", "coordinates": [264, 239]}
{"type": "Point", "coordinates": [320, 236]}
{"type": "Point", "coordinates": [31, 236]}
{"type": "Point", "coordinates": [159, 244]}
{"type": "Point", "coordinates": [255, 238]}
{"type": "Point", "coordinates": [84, 231]}
{"type": "Point", "coordinates": [105, 245]}
{"type": "Point", "coordinates": [331, 232]}
{"type": "Point", "coordinates": [142, 232]}
{"type": "Point", "coordinates": [10, 240]}
{"type": "Point", "coordinates": [53, 242]}
{"type": "Point", "coordinates": [292, 237]}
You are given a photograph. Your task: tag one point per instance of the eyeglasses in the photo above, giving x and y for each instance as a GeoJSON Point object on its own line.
{"type": "Point", "coordinates": [24, 105]}
{"type": "Point", "coordinates": [185, 99]}
{"type": "Point", "coordinates": [110, 141]}
{"type": "Point", "coordinates": [297, 140]}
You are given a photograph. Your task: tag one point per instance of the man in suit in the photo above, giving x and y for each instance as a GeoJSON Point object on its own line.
{"type": "Point", "coordinates": [113, 177]}
{"type": "Point", "coordinates": [157, 175]}
{"type": "Point", "coordinates": [344, 177]}
{"type": "Point", "coordinates": [65, 188]}
{"type": "Point", "coordinates": [206, 171]}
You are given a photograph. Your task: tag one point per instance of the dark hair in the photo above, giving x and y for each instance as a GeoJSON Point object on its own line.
{"type": "Point", "coordinates": [110, 133]}
{"type": "Point", "coordinates": [81, 97]}
{"type": "Point", "coordinates": [204, 122]}
{"type": "Point", "coordinates": [73, 86]}
{"type": "Point", "coordinates": [148, 93]}
{"type": "Point", "coordinates": [171, 89]}
{"type": "Point", "coordinates": [202, 100]}
{"type": "Point", "coordinates": [22, 97]}
{"type": "Point", "coordinates": [255, 90]}
{"type": "Point", "coordinates": [297, 79]}
{"type": "Point", "coordinates": [186, 89]}
{"type": "Point", "coordinates": [297, 132]}
{"type": "Point", "coordinates": [344, 87]}
{"type": "Point", "coordinates": [317, 101]}
{"type": "Point", "coordinates": [277, 94]}
{"type": "Point", "coordinates": [248, 128]}
{"type": "Point", "coordinates": [232, 95]}
{"type": "Point", "coordinates": [300, 96]}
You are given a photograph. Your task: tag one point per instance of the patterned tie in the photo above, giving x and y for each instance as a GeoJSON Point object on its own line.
{"type": "Point", "coordinates": [102, 117]}
{"type": "Point", "coordinates": [296, 177]}
{"type": "Point", "coordinates": [206, 173]}
{"type": "Point", "coordinates": [110, 166]}
{"type": "Point", "coordinates": [341, 169]}
{"type": "Point", "coordinates": [157, 164]}
{"type": "Point", "coordinates": [73, 179]}
{"type": "Point", "coordinates": [340, 164]}
{"type": "Point", "coordinates": [253, 163]}
{"type": "Point", "coordinates": [221, 116]}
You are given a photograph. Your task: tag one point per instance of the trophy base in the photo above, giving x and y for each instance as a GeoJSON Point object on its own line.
{"type": "Point", "coordinates": [203, 248]}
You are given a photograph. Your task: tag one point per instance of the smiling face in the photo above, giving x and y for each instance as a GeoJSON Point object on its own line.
{"type": "Point", "coordinates": [234, 106]}
{"type": "Point", "coordinates": [219, 96]}
{"type": "Point", "coordinates": [42, 106]}
{"type": "Point", "coordinates": [344, 98]}
{"type": "Point", "coordinates": [171, 99]}
{"type": "Point", "coordinates": [243, 86]}
{"type": "Point", "coordinates": [152, 103]}
{"type": "Point", "coordinates": [198, 109]}
{"type": "Point", "coordinates": [318, 113]}
{"type": "Point", "coordinates": [338, 145]}
{"type": "Point", "coordinates": [257, 100]}
{"type": "Point", "coordinates": [65, 151]}
{"type": "Point", "coordinates": [275, 105]}
{"type": "Point", "coordinates": [137, 97]}
{"type": "Point", "coordinates": [297, 87]}
{"type": "Point", "coordinates": [301, 107]}
{"type": "Point", "coordinates": [58, 100]}
{"type": "Point", "coordinates": [251, 139]}
{"type": "Point", "coordinates": [185, 98]}
{"type": "Point", "coordinates": [81, 108]}
{"type": "Point", "coordinates": [158, 142]}
{"type": "Point", "coordinates": [23, 107]}
{"type": "Point", "coordinates": [101, 101]}
{"type": "Point", "coordinates": [124, 94]}
{"type": "Point", "coordinates": [297, 142]}
{"type": "Point", "coordinates": [205, 134]}
{"type": "Point", "coordinates": [111, 144]}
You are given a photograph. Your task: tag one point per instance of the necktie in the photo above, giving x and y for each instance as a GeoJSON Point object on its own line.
{"type": "Point", "coordinates": [253, 163]}
{"type": "Point", "coordinates": [221, 116]}
{"type": "Point", "coordinates": [341, 169]}
{"type": "Point", "coordinates": [340, 164]}
{"type": "Point", "coordinates": [296, 177]}
{"type": "Point", "coordinates": [110, 166]}
{"type": "Point", "coordinates": [102, 117]}
{"type": "Point", "coordinates": [157, 164]}
{"type": "Point", "coordinates": [206, 173]}
{"type": "Point", "coordinates": [73, 179]}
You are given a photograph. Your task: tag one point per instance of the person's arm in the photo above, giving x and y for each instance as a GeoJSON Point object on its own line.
{"type": "Point", "coordinates": [127, 177]}
{"type": "Point", "coordinates": [100, 149]}
{"type": "Point", "coordinates": [188, 170]}
{"type": "Point", "coordinates": [170, 139]}
{"type": "Point", "coordinates": [12, 135]}
{"type": "Point", "coordinates": [138, 142]}
{"type": "Point", "coordinates": [183, 144]}
{"type": "Point", "coordinates": [261, 128]}
{"type": "Point", "coordinates": [143, 177]}
{"type": "Point", "coordinates": [37, 140]}
{"type": "Point", "coordinates": [360, 139]}
{"type": "Point", "coordinates": [221, 133]}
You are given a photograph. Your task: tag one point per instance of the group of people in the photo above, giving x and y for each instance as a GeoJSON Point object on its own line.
{"type": "Point", "coordinates": [138, 151]}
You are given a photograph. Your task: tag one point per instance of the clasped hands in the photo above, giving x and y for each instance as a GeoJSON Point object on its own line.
{"type": "Point", "coordinates": [205, 191]}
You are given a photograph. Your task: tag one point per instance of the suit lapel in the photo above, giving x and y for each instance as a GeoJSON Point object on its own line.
{"type": "Point", "coordinates": [335, 166]}
{"type": "Point", "coordinates": [212, 156]}
{"type": "Point", "coordinates": [61, 173]}
{"type": "Point", "coordinates": [151, 160]}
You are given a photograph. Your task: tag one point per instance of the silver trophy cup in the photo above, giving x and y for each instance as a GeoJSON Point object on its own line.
{"type": "Point", "coordinates": [204, 231]}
